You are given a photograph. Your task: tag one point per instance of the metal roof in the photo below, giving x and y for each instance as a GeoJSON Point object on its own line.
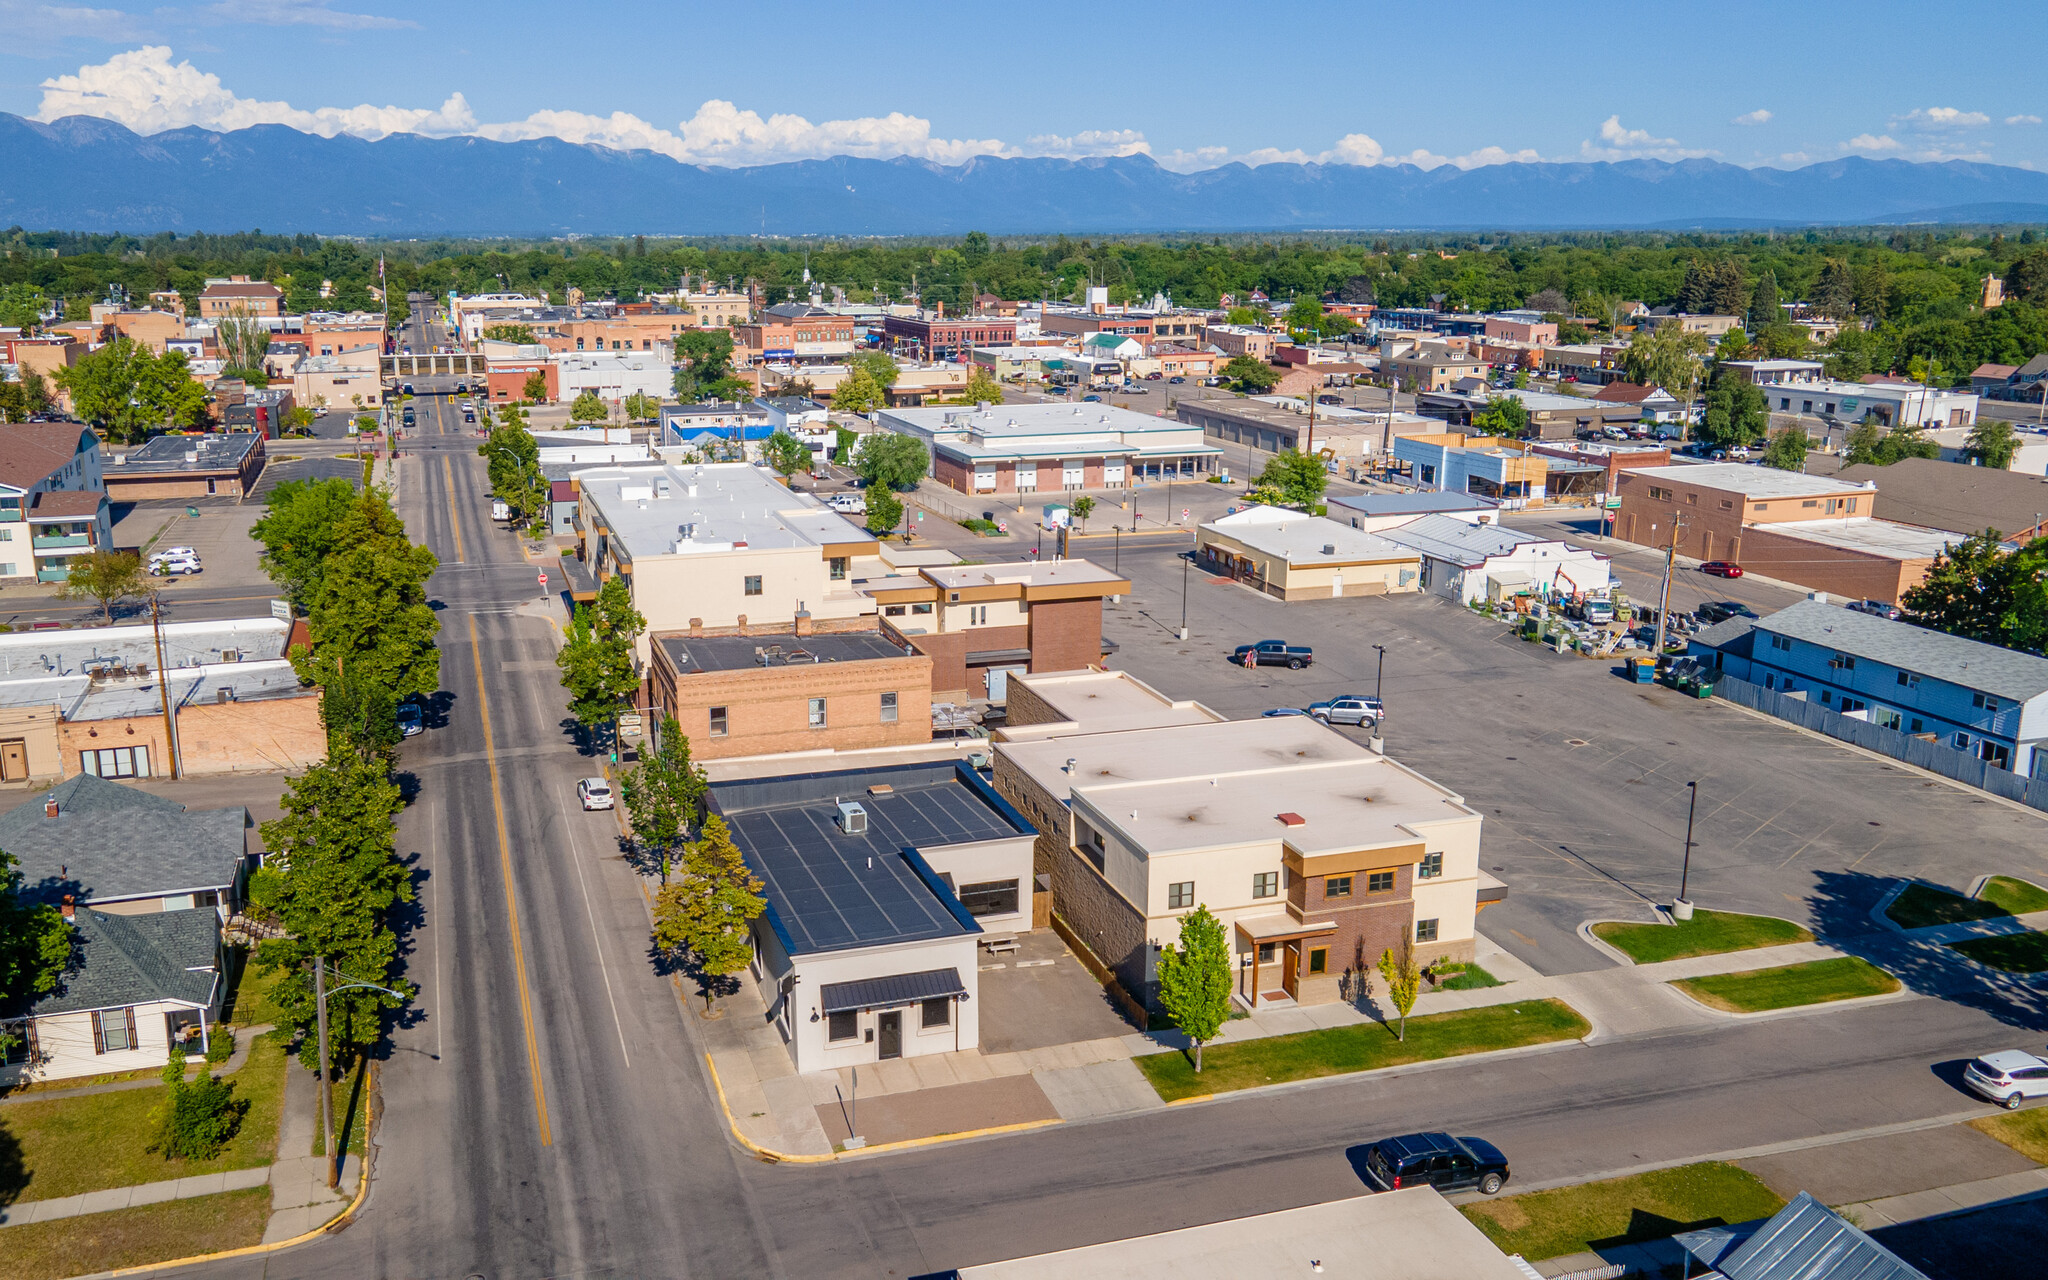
{"type": "Point", "coordinates": [892, 992]}
{"type": "Point", "coordinates": [1967, 664]}
{"type": "Point", "coordinates": [1400, 504]}
{"type": "Point", "coordinates": [1805, 1240]}
{"type": "Point", "coordinates": [1453, 540]}
{"type": "Point", "coordinates": [829, 890]}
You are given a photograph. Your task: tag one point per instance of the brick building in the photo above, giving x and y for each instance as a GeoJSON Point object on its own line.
{"type": "Point", "coordinates": [936, 337]}
{"type": "Point", "coordinates": [785, 691]}
{"type": "Point", "coordinates": [215, 465]}
{"type": "Point", "coordinates": [981, 624]}
{"type": "Point", "coordinates": [240, 296]}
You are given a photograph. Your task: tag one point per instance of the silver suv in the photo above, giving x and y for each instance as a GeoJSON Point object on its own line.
{"type": "Point", "coordinates": [1349, 709]}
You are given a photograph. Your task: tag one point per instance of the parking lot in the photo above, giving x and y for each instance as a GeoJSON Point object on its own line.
{"type": "Point", "coordinates": [228, 556]}
{"type": "Point", "coordinates": [1581, 775]}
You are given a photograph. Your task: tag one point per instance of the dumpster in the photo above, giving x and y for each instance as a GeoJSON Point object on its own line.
{"type": "Point", "coordinates": [1644, 670]}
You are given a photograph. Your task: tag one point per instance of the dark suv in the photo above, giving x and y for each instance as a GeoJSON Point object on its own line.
{"type": "Point", "coordinates": [1437, 1160]}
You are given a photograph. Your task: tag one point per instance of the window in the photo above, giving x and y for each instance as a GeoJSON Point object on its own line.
{"type": "Point", "coordinates": [1319, 960]}
{"type": "Point", "coordinates": [921, 608]}
{"type": "Point", "coordinates": [892, 610]}
{"type": "Point", "coordinates": [1984, 702]}
{"type": "Point", "coordinates": [1431, 866]}
{"type": "Point", "coordinates": [1827, 698]}
{"type": "Point", "coordinates": [842, 1026]}
{"type": "Point", "coordinates": [838, 568]}
{"type": "Point", "coordinates": [1726, 505]}
{"type": "Point", "coordinates": [1425, 931]}
{"type": "Point", "coordinates": [817, 713]}
{"type": "Point", "coordinates": [113, 1031]}
{"type": "Point", "coordinates": [1961, 741]}
{"type": "Point", "coordinates": [1845, 661]}
{"type": "Point", "coordinates": [1692, 499]}
{"type": "Point", "coordinates": [719, 727]}
{"type": "Point", "coordinates": [1909, 680]}
{"type": "Point", "coordinates": [1379, 882]}
{"type": "Point", "coordinates": [1266, 953]}
{"type": "Point", "coordinates": [1810, 502]}
{"type": "Point", "coordinates": [1884, 717]}
{"type": "Point", "coordinates": [1266, 884]}
{"type": "Point", "coordinates": [888, 708]}
{"type": "Point", "coordinates": [935, 1013]}
{"type": "Point", "coordinates": [753, 584]}
{"type": "Point", "coordinates": [116, 762]}
{"type": "Point", "coordinates": [990, 898]}
{"type": "Point", "coordinates": [1782, 644]}
{"type": "Point", "coordinates": [1763, 506]}
{"type": "Point", "coordinates": [1337, 886]}
{"type": "Point", "coordinates": [1917, 722]}
{"type": "Point", "coordinates": [1180, 895]}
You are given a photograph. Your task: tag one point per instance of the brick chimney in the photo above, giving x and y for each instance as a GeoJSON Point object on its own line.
{"type": "Point", "coordinates": [803, 622]}
{"type": "Point", "coordinates": [69, 909]}
{"type": "Point", "coordinates": [49, 806]}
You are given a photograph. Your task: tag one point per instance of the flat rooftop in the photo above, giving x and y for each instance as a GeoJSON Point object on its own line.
{"type": "Point", "coordinates": [691, 654]}
{"type": "Point", "coordinates": [1204, 786]}
{"type": "Point", "coordinates": [1752, 481]}
{"type": "Point", "coordinates": [1456, 541]}
{"type": "Point", "coordinates": [1030, 420]}
{"type": "Point", "coordinates": [1416, 504]}
{"type": "Point", "coordinates": [1413, 1234]}
{"type": "Point", "coordinates": [1305, 539]}
{"type": "Point", "coordinates": [220, 451]}
{"type": "Point", "coordinates": [1871, 537]}
{"type": "Point", "coordinates": [831, 891]}
{"type": "Point", "coordinates": [33, 655]}
{"type": "Point", "coordinates": [723, 504]}
{"type": "Point", "coordinates": [1103, 702]}
{"type": "Point", "coordinates": [1042, 573]}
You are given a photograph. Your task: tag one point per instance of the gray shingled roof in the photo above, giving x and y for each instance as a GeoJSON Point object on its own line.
{"type": "Point", "coordinates": [1965, 663]}
{"type": "Point", "coordinates": [124, 960]}
{"type": "Point", "coordinates": [110, 841]}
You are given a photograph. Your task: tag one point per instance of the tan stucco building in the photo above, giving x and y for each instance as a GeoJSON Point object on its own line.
{"type": "Point", "coordinates": [1301, 557]}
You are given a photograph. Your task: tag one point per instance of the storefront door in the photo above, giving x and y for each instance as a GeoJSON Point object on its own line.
{"type": "Point", "coordinates": [889, 1034]}
{"type": "Point", "coordinates": [1290, 966]}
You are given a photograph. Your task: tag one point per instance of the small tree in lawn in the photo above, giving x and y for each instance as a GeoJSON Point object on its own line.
{"type": "Point", "coordinates": [1194, 979]}
{"type": "Point", "coordinates": [706, 912]}
{"type": "Point", "coordinates": [663, 792]}
{"type": "Point", "coordinates": [642, 408]}
{"type": "Point", "coordinates": [1404, 981]}
{"type": "Point", "coordinates": [104, 577]}
{"type": "Point", "coordinates": [1787, 450]}
{"type": "Point", "coordinates": [885, 510]}
{"type": "Point", "coordinates": [1082, 507]}
{"type": "Point", "coordinates": [587, 407]}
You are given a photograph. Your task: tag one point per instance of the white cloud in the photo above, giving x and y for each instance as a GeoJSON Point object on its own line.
{"type": "Point", "coordinates": [1089, 142]}
{"type": "Point", "coordinates": [2023, 119]}
{"type": "Point", "coordinates": [1758, 116]}
{"type": "Point", "coordinates": [1870, 142]}
{"type": "Point", "coordinates": [1352, 148]}
{"type": "Point", "coordinates": [1942, 118]}
{"type": "Point", "coordinates": [1618, 142]}
{"type": "Point", "coordinates": [36, 29]}
{"type": "Point", "coordinates": [297, 13]}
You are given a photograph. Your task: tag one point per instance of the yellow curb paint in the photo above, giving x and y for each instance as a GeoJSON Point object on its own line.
{"type": "Point", "coordinates": [962, 1136]}
{"type": "Point", "coordinates": [454, 516]}
{"type": "Point", "coordinates": [1200, 1097]}
{"type": "Point", "coordinates": [540, 1099]}
{"type": "Point", "coordinates": [778, 1157]}
{"type": "Point", "coordinates": [249, 1251]}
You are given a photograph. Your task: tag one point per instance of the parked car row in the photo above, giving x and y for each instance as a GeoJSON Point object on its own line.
{"type": "Point", "coordinates": [174, 560]}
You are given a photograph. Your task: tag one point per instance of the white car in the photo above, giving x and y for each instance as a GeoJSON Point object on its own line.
{"type": "Point", "coordinates": [181, 565]}
{"type": "Point", "coordinates": [174, 553]}
{"type": "Point", "coordinates": [595, 793]}
{"type": "Point", "coordinates": [2008, 1077]}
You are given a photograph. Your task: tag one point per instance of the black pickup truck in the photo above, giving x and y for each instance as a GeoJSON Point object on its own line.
{"type": "Point", "coordinates": [1273, 653]}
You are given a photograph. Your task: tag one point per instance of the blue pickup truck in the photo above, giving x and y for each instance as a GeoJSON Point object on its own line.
{"type": "Point", "coordinates": [1273, 653]}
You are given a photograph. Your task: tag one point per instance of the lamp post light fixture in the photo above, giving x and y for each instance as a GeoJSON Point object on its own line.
{"type": "Point", "coordinates": [1380, 675]}
{"type": "Point", "coordinates": [1682, 908]}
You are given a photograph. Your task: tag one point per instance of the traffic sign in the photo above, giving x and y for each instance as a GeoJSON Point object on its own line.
{"type": "Point", "coordinates": [543, 579]}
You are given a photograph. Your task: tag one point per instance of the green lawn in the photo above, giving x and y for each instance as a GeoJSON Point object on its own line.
{"type": "Point", "coordinates": [1648, 1206]}
{"type": "Point", "coordinates": [1922, 905]}
{"type": "Point", "coordinates": [2018, 897]}
{"type": "Point", "coordinates": [2024, 1131]}
{"type": "Point", "coordinates": [2014, 953]}
{"type": "Point", "coordinates": [1708, 933]}
{"type": "Point", "coordinates": [1361, 1047]}
{"type": "Point", "coordinates": [249, 1001]}
{"type": "Point", "coordinates": [133, 1237]}
{"type": "Point", "coordinates": [1755, 990]}
{"type": "Point", "coordinates": [1466, 977]}
{"type": "Point", "coordinates": [74, 1145]}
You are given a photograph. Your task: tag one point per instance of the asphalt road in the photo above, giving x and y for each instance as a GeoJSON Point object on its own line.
{"type": "Point", "coordinates": [546, 1111]}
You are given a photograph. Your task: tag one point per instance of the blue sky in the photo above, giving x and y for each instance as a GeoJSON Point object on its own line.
{"type": "Point", "coordinates": [1192, 84]}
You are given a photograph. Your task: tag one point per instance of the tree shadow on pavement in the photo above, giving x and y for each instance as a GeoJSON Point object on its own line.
{"type": "Point", "coordinates": [1841, 906]}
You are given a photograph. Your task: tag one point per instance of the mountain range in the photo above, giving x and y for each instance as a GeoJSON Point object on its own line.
{"type": "Point", "coordinates": [81, 173]}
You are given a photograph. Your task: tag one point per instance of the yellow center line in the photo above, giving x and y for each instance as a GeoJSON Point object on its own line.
{"type": "Point", "coordinates": [454, 516]}
{"type": "Point", "coordinates": [483, 702]}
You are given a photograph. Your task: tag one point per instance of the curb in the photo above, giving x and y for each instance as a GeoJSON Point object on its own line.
{"type": "Point", "coordinates": [332, 1225]}
{"type": "Point", "coordinates": [1881, 913]}
{"type": "Point", "coordinates": [1792, 1011]}
{"type": "Point", "coordinates": [1606, 948]}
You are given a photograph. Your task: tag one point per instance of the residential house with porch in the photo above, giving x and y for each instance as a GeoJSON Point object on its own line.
{"type": "Point", "coordinates": [1316, 853]}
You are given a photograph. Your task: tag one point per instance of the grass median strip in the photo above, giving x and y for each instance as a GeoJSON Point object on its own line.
{"type": "Point", "coordinates": [2014, 952]}
{"type": "Point", "coordinates": [2018, 897]}
{"type": "Point", "coordinates": [132, 1237]}
{"type": "Point", "coordinates": [1308, 1055]}
{"type": "Point", "coordinates": [1788, 986]}
{"type": "Point", "coordinates": [73, 1145]}
{"type": "Point", "coordinates": [2024, 1131]}
{"type": "Point", "coordinates": [1708, 933]}
{"type": "Point", "coordinates": [1924, 905]}
{"type": "Point", "coordinates": [1647, 1206]}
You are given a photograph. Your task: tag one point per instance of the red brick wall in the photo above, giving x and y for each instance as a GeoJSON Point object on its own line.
{"type": "Point", "coordinates": [768, 708]}
{"type": "Point", "coordinates": [1066, 635]}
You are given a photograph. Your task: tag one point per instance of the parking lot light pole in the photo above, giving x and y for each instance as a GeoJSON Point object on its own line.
{"type": "Point", "coordinates": [1186, 557]}
{"type": "Point", "coordinates": [1379, 676]}
{"type": "Point", "coordinates": [1682, 908]}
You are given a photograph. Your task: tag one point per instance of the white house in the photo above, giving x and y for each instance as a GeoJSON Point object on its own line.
{"type": "Point", "coordinates": [614, 375]}
{"type": "Point", "coordinates": [881, 884]}
{"type": "Point", "coordinates": [1468, 562]}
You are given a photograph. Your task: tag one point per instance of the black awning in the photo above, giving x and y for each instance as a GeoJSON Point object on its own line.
{"type": "Point", "coordinates": [892, 992]}
{"type": "Point", "coordinates": [982, 657]}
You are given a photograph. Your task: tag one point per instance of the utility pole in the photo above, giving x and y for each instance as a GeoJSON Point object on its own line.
{"type": "Point", "coordinates": [1664, 597]}
{"type": "Point", "coordinates": [1184, 560]}
{"type": "Point", "coordinates": [320, 1068]}
{"type": "Point", "coordinates": [163, 682]}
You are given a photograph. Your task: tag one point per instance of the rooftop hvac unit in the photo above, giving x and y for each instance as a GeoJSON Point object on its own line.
{"type": "Point", "coordinates": [853, 819]}
{"type": "Point", "coordinates": [1329, 548]}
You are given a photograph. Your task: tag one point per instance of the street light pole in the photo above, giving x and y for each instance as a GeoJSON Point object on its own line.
{"type": "Point", "coordinates": [1185, 558]}
{"type": "Point", "coordinates": [1380, 675]}
{"type": "Point", "coordinates": [320, 1071]}
{"type": "Point", "coordinates": [1682, 909]}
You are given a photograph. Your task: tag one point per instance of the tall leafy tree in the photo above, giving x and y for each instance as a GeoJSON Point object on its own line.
{"type": "Point", "coordinates": [1298, 478]}
{"type": "Point", "coordinates": [1250, 375]}
{"type": "Point", "coordinates": [786, 454]}
{"type": "Point", "coordinates": [1736, 412]}
{"type": "Point", "coordinates": [858, 392]}
{"type": "Point", "coordinates": [885, 509]}
{"type": "Point", "coordinates": [1764, 310]}
{"type": "Point", "coordinates": [336, 876]}
{"type": "Point", "coordinates": [663, 793]}
{"type": "Point", "coordinates": [1730, 292]}
{"type": "Point", "coordinates": [1834, 290]}
{"type": "Point", "coordinates": [104, 577]}
{"type": "Point", "coordinates": [243, 343]}
{"type": "Point", "coordinates": [982, 388]}
{"type": "Point", "coordinates": [1872, 445]}
{"type": "Point", "coordinates": [35, 945]}
{"type": "Point", "coordinates": [703, 361]}
{"type": "Point", "coordinates": [1669, 357]}
{"type": "Point", "coordinates": [597, 663]}
{"type": "Point", "coordinates": [1788, 449]}
{"type": "Point", "coordinates": [21, 306]}
{"type": "Point", "coordinates": [370, 618]}
{"type": "Point", "coordinates": [1992, 443]}
{"type": "Point", "coordinates": [588, 407]}
{"type": "Point", "coordinates": [879, 366]}
{"type": "Point", "coordinates": [1981, 592]}
{"type": "Point", "coordinates": [125, 391]}
{"type": "Point", "coordinates": [706, 911]}
{"type": "Point", "coordinates": [512, 464]}
{"type": "Point", "coordinates": [641, 408]}
{"type": "Point", "coordinates": [299, 530]}
{"type": "Point", "coordinates": [1194, 979]}
{"type": "Point", "coordinates": [1503, 416]}
{"type": "Point", "coordinates": [887, 460]}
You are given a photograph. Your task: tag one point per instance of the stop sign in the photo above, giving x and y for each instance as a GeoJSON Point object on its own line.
{"type": "Point", "coordinates": [543, 579]}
